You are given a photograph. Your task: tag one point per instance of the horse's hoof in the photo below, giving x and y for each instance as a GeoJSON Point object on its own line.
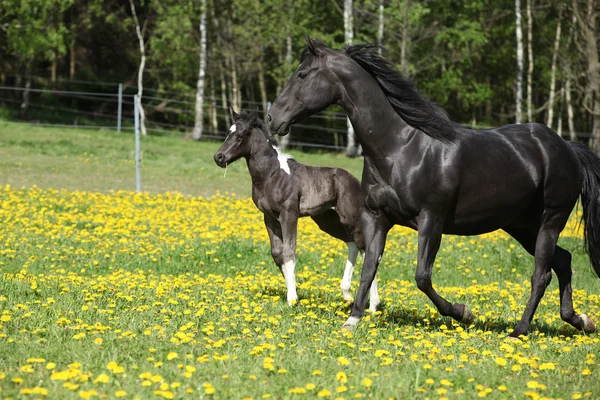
{"type": "Point", "coordinates": [513, 338]}
{"type": "Point", "coordinates": [588, 325]}
{"type": "Point", "coordinates": [467, 316]}
{"type": "Point", "coordinates": [292, 302]}
{"type": "Point", "coordinates": [348, 328]}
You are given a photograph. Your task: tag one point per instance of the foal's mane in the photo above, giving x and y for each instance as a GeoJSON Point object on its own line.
{"type": "Point", "coordinates": [260, 125]}
{"type": "Point", "coordinates": [403, 96]}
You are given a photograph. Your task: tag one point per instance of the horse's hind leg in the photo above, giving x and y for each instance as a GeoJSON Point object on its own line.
{"type": "Point", "coordinates": [561, 264]}
{"type": "Point", "coordinates": [545, 260]}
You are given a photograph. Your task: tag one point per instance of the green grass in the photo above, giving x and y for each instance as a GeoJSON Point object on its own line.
{"type": "Point", "coordinates": [181, 291]}
{"type": "Point", "coordinates": [104, 160]}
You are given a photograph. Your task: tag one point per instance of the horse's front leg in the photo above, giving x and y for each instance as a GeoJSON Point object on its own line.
{"type": "Point", "coordinates": [430, 237]}
{"type": "Point", "coordinates": [375, 228]}
{"type": "Point", "coordinates": [289, 227]}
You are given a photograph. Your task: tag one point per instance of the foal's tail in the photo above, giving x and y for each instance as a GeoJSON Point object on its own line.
{"type": "Point", "coordinates": [590, 199]}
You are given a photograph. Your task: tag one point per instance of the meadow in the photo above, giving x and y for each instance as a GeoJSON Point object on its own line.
{"type": "Point", "coordinates": [172, 293]}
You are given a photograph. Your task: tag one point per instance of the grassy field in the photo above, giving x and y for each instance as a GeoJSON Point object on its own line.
{"type": "Point", "coordinates": [110, 294]}
{"type": "Point", "coordinates": [102, 161]}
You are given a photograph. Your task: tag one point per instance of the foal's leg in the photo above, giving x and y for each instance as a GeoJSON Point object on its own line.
{"type": "Point", "coordinates": [347, 278]}
{"type": "Point", "coordinates": [430, 237]}
{"type": "Point", "coordinates": [289, 226]}
{"type": "Point", "coordinates": [275, 237]}
{"type": "Point", "coordinates": [545, 245]}
{"type": "Point", "coordinates": [375, 228]}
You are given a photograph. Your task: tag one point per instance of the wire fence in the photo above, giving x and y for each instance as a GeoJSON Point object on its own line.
{"type": "Point", "coordinates": [107, 105]}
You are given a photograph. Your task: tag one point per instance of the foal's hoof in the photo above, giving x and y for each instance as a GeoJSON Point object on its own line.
{"type": "Point", "coordinates": [348, 328]}
{"type": "Point", "coordinates": [588, 325]}
{"type": "Point", "coordinates": [467, 316]}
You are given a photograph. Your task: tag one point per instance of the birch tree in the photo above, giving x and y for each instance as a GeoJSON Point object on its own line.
{"type": "Point", "coordinates": [553, 71]}
{"type": "Point", "coordinates": [380, 26]}
{"type": "Point", "coordinates": [530, 59]}
{"type": "Point", "coordinates": [197, 133]}
{"type": "Point", "coordinates": [348, 38]}
{"type": "Point", "coordinates": [587, 24]}
{"type": "Point", "coordinates": [404, 44]}
{"type": "Point", "coordinates": [140, 36]}
{"type": "Point", "coordinates": [285, 140]}
{"type": "Point", "coordinates": [519, 32]}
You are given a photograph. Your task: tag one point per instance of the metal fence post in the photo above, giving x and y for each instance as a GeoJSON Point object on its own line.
{"type": "Point", "coordinates": [120, 108]}
{"type": "Point", "coordinates": [138, 176]}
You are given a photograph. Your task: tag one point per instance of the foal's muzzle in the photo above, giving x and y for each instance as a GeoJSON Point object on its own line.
{"type": "Point", "coordinates": [220, 160]}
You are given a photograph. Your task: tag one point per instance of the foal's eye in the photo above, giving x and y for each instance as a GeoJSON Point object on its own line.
{"type": "Point", "coordinates": [239, 138]}
{"type": "Point", "coordinates": [302, 75]}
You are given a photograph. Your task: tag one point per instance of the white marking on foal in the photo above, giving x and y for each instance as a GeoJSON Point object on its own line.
{"type": "Point", "coordinates": [352, 321]}
{"type": "Point", "coordinates": [232, 128]}
{"type": "Point", "coordinates": [290, 281]}
{"type": "Point", "coordinates": [374, 296]}
{"type": "Point", "coordinates": [347, 278]}
{"type": "Point", "coordinates": [282, 158]}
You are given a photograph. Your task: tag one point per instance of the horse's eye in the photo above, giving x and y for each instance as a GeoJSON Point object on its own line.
{"type": "Point", "coordinates": [239, 138]}
{"type": "Point", "coordinates": [302, 75]}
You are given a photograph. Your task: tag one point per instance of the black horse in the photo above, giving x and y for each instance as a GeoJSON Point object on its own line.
{"type": "Point", "coordinates": [424, 171]}
{"type": "Point", "coordinates": [285, 190]}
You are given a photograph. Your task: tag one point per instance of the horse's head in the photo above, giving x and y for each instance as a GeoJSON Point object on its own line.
{"type": "Point", "coordinates": [238, 142]}
{"type": "Point", "coordinates": [312, 88]}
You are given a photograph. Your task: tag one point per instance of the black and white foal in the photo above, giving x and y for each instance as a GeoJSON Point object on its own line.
{"type": "Point", "coordinates": [285, 190]}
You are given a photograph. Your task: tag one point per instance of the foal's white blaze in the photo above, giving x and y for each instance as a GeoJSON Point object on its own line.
{"type": "Point", "coordinates": [232, 128]}
{"type": "Point", "coordinates": [282, 158]}
{"type": "Point", "coordinates": [289, 275]}
{"type": "Point", "coordinates": [347, 278]}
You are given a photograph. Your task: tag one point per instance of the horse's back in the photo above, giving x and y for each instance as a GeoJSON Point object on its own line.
{"type": "Point", "coordinates": [513, 173]}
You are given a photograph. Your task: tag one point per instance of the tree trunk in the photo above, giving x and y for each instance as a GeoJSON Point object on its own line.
{"type": "Point", "coordinates": [53, 67]}
{"type": "Point", "coordinates": [213, 107]}
{"type": "Point", "coordinates": [224, 98]}
{"type": "Point", "coordinates": [72, 52]}
{"type": "Point", "coordinates": [570, 113]}
{"type": "Point", "coordinates": [530, 59]}
{"type": "Point", "coordinates": [348, 37]}
{"type": "Point", "coordinates": [588, 24]}
{"type": "Point", "coordinates": [138, 31]}
{"type": "Point", "coordinates": [519, 30]}
{"type": "Point", "coordinates": [380, 28]}
{"type": "Point", "coordinates": [553, 72]}
{"type": "Point", "coordinates": [236, 99]}
{"type": "Point", "coordinates": [261, 84]}
{"type": "Point", "coordinates": [404, 44]}
{"type": "Point", "coordinates": [197, 133]}
{"type": "Point", "coordinates": [284, 141]}
{"type": "Point", "coordinates": [25, 102]}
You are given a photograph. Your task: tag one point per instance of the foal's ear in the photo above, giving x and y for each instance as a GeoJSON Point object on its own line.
{"type": "Point", "coordinates": [234, 115]}
{"type": "Point", "coordinates": [253, 117]}
{"type": "Point", "coordinates": [314, 46]}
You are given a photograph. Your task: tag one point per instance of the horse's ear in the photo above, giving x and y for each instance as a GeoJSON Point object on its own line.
{"type": "Point", "coordinates": [315, 47]}
{"type": "Point", "coordinates": [234, 115]}
{"type": "Point", "coordinates": [253, 117]}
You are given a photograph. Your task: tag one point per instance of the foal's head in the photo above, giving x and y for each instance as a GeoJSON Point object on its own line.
{"type": "Point", "coordinates": [312, 88]}
{"type": "Point", "coordinates": [241, 139]}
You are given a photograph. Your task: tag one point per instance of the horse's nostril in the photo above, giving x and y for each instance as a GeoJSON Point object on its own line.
{"type": "Point", "coordinates": [269, 118]}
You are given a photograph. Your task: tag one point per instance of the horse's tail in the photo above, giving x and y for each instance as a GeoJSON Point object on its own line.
{"type": "Point", "coordinates": [590, 200]}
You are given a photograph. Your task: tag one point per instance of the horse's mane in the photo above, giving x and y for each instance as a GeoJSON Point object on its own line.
{"type": "Point", "coordinates": [403, 96]}
{"type": "Point", "coordinates": [260, 124]}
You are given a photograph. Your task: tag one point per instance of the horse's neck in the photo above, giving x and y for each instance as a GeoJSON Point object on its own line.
{"type": "Point", "coordinates": [262, 162]}
{"type": "Point", "coordinates": [376, 123]}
